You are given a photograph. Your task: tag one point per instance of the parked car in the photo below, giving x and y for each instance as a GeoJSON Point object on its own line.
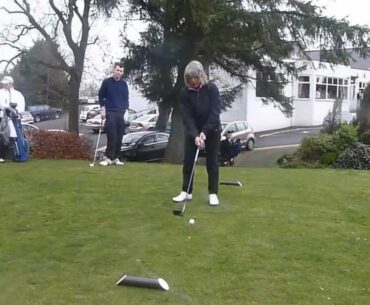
{"type": "Point", "coordinates": [141, 146]}
{"type": "Point", "coordinates": [95, 123]}
{"type": "Point", "coordinates": [26, 117]}
{"type": "Point", "coordinates": [239, 130]}
{"type": "Point", "coordinates": [44, 112]}
{"type": "Point", "coordinates": [145, 122]}
{"type": "Point", "coordinates": [344, 117]}
{"type": "Point", "coordinates": [85, 110]}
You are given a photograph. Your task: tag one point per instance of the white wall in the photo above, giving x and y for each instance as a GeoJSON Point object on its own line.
{"type": "Point", "coordinates": [238, 111]}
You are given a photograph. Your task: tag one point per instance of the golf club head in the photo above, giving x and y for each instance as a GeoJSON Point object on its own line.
{"type": "Point", "coordinates": [178, 212]}
{"type": "Point", "coordinates": [91, 164]}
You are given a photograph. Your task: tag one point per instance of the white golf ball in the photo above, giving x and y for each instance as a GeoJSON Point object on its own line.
{"type": "Point", "coordinates": [91, 165]}
{"type": "Point", "coordinates": [191, 221]}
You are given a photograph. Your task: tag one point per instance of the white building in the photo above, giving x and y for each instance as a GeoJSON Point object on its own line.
{"type": "Point", "coordinates": [313, 92]}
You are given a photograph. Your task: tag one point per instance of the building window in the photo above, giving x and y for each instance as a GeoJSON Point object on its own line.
{"type": "Point", "coordinates": [304, 87]}
{"type": "Point", "coordinates": [331, 88]}
{"type": "Point", "coordinates": [267, 85]}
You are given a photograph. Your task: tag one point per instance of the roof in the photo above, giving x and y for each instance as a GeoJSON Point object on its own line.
{"type": "Point", "coordinates": [356, 60]}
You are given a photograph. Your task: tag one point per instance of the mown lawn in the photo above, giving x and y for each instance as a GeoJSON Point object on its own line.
{"type": "Point", "coordinates": [68, 232]}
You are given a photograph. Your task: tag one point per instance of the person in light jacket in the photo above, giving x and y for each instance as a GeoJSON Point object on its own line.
{"type": "Point", "coordinates": [9, 98]}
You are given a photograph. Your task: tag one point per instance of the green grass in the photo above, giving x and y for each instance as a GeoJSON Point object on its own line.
{"type": "Point", "coordinates": [68, 232]}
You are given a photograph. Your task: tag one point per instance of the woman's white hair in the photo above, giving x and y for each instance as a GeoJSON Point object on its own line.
{"type": "Point", "coordinates": [195, 69]}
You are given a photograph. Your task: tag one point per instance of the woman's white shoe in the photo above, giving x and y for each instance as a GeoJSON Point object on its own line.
{"type": "Point", "coordinates": [182, 196]}
{"type": "Point", "coordinates": [213, 200]}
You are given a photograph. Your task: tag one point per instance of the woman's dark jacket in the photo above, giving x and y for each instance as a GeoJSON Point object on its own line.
{"type": "Point", "coordinates": [201, 109]}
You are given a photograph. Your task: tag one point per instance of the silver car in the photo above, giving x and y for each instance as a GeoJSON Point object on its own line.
{"type": "Point", "coordinates": [145, 122]}
{"type": "Point", "coordinates": [239, 130]}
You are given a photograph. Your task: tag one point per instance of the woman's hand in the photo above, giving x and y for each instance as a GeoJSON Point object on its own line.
{"type": "Point", "coordinates": [199, 140]}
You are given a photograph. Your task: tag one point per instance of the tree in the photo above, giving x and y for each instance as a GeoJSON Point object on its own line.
{"type": "Point", "coordinates": [363, 115]}
{"type": "Point", "coordinates": [68, 24]}
{"type": "Point", "coordinates": [38, 83]}
{"type": "Point", "coordinates": [233, 36]}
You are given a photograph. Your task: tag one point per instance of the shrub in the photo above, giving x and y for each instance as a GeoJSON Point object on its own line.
{"type": "Point", "coordinates": [365, 137]}
{"type": "Point", "coordinates": [286, 158]}
{"type": "Point", "coordinates": [329, 158]}
{"type": "Point", "coordinates": [345, 136]}
{"type": "Point", "coordinates": [58, 145]}
{"type": "Point", "coordinates": [357, 157]}
{"type": "Point", "coordinates": [301, 164]}
{"type": "Point", "coordinates": [312, 148]}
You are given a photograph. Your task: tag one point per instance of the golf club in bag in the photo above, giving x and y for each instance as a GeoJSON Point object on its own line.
{"type": "Point", "coordinates": [97, 143]}
{"type": "Point", "coordinates": [181, 211]}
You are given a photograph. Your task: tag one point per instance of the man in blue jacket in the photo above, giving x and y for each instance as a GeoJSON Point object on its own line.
{"type": "Point", "coordinates": [114, 101]}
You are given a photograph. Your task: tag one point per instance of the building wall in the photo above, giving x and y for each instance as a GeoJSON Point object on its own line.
{"type": "Point", "coordinates": [265, 116]}
{"type": "Point", "coordinates": [307, 111]}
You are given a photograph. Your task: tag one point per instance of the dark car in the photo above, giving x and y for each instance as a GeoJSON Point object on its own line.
{"type": "Point", "coordinates": [141, 146]}
{"type": "Point", "coordinates": [44, 112]}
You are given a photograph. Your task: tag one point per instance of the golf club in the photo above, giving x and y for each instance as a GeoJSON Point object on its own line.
{"type": "Point", "coordinates": [97, 144]}
{"type": "Point", "coordinates": [181, 211]}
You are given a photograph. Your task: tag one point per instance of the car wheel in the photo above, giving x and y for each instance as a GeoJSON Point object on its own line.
{"type": "Point", "coordinates": [250, 144]}
{"type": "Point", "coordinates": [37, 118]}
{"type": "Point", "coordinates": [57, 115]}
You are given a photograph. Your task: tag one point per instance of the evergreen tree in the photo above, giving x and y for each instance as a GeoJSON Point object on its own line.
{"type": "Point", "coordinates": [38, 83]}
{"type": "Point", "coordinates": [235, 36]}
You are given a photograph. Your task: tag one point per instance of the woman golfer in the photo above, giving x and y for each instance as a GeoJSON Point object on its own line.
{"type": "Point", "coordinates": [201, 107]}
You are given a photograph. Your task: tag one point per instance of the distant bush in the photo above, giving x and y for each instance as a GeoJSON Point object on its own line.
{"type": "Point", "coordinates": [365, 137]}
{"type": "Point", "coordinates": [301, 164]}
{"type": "Point", "coordinates": [312, 148]}
{"type": "Point", "coordinates": [58, 145]}
{"type": "Point", "coordinates": [357, 157]}
{"type": "Point", "coordinates": [345, 136]}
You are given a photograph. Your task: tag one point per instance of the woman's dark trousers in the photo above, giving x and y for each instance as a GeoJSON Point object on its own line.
{"type": "Point", "coordinates": [212, 145]}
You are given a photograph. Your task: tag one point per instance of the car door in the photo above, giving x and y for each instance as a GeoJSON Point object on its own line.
{"type": "Point", "coordinates": [241, 132]}
{"type": "Point", "coordinates": [161, 141]}
{"type": "Point", "coordinates": [50, 111]}
{"type": "Point", "coordinates": [44, 112]}
{"type": "Point", "coordinates": [145, 148]}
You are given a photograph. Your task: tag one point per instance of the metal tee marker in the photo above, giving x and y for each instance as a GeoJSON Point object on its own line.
{"type": "Point", "coordinates": [144, 282]}
{"type": "Point", "coordinates": [234, 183]}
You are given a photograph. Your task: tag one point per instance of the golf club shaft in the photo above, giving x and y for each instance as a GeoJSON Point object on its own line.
{"type": "Point", "coordinates": [97, 142]}
{"type": "Point", "coordinates": [191, 179]}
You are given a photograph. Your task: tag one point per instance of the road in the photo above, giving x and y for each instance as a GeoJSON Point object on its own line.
{"type": "Point", "coordinates": [286, 136]}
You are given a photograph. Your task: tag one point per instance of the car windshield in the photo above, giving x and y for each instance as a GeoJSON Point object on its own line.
{"type": "Point", "coordinates": [130, 138]}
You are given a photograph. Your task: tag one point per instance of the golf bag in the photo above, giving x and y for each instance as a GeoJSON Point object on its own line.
{"type": "Point", "coordinates": [19, 145]}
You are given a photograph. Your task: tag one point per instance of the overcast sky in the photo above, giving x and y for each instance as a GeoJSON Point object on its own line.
{"type": "Point", "coordinates": [357, 11]}
{"type": "Point", "coordinates": [99, 57]}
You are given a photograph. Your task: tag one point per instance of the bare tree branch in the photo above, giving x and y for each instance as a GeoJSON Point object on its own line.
{"type": "Point", "coordinates": [93, 42]}
{"type": "Point", "coordinates": [11, 60]}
